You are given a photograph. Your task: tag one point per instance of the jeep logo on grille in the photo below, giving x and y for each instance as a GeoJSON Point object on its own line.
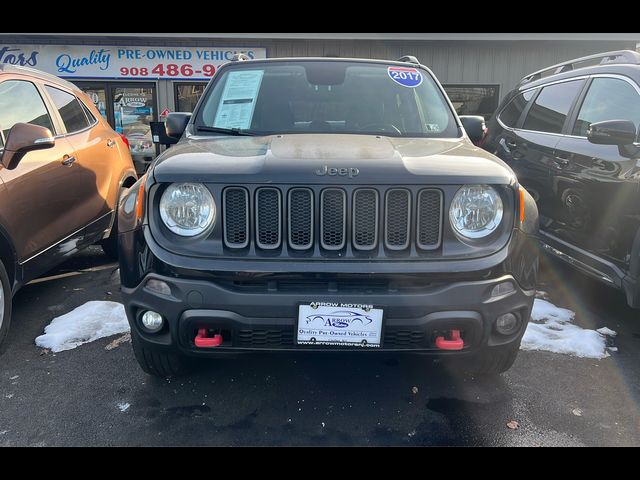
{"type": "Point", "coordinates": [333, 171]}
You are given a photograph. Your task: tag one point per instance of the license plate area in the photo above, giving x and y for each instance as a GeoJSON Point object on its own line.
{"type": "Point", "coordinates": [339, 324]}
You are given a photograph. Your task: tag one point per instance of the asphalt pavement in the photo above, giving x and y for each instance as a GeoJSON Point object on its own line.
{"type": "Point", "coordinates": [97, 395]}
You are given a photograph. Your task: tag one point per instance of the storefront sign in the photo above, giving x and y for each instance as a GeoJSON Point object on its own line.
{"type": "Point", "coordinates": [91, 61]}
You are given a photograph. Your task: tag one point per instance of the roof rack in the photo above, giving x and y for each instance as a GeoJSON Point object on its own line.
{"type": "Point", "coordinates": [239, 57]}
{"type": "Point", "coordinates": [408, 59]}
{"type": "Point", "coordinates": [607, 58]}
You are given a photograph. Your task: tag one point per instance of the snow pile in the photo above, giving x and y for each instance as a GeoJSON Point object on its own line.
{"type": "Point", "coordinates": [551, 329]}
{"type": "Point", "coordinates": [88, 322]}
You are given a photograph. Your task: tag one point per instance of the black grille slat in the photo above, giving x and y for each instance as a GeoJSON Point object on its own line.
{"type": "Point", "coordinates": [300, 210]}
{"type": "Point", "coordinates": [263, 338]}
{"type": "Point", "coordinates": [348, 221]}
{"type": "Point", "coordinates": [365, 219]}
{"type": "Point", "coordinates": [397, 215]}
{"type": "Point", "coordinates": [236, 217]}
{"type": "Point", "coordinates": [268, 218]}
{"type": "Point", "coordinates": [333, 209]}
{"type": "Point", "coordinates": [429, 219]}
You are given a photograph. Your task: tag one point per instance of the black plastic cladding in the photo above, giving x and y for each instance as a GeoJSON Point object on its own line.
{"type": "Point", "coordinates": [210, 244]}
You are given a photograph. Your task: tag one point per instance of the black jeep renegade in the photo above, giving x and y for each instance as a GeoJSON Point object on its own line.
{"type": "Point", "coordinates": [324, 204]}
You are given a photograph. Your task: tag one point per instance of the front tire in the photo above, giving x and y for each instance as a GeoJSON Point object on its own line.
{"type": "Point", "coordinates": [158, 363]}
{"type": "Point", "coordinates": [5, 303]}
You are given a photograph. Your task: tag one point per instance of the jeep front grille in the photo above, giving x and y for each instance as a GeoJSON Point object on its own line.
{"type": "Point", "coordinates": [235, 210]}
{"type": "Point", "coordinates": [364, 221]}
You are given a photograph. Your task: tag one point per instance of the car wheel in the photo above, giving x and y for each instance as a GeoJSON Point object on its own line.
{"type": "Point", "coordinates": [160, 364]}
{"type": "Point", "coordinates": [5, 303]}
{"type": "Point", "coordinates": [110, 244]}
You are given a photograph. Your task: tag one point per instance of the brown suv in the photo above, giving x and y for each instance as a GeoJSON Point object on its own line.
{"type": "Point", "coordinates": [62, 170]}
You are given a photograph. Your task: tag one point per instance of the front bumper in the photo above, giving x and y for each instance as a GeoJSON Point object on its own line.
{"type": "Point", "coordinates": [251, 319]}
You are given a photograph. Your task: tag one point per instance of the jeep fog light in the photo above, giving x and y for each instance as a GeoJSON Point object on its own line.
{"type": "Point", "coordinates": [158, 286]}
{"type": "Point", "coordinates": [152, 321]}
{"type": "Point", "coordinates": [506, 324]}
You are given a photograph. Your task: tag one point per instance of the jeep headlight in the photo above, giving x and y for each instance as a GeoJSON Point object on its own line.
{"type": "Point", "coordinates": [476, 211]}
{"type": "Point", "coordinates": [187, 209]}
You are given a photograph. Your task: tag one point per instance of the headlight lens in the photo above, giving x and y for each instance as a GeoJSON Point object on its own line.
{"type": "Point", "coordinates": [476, 211]}
{"type": "Point", "coordinates": [187, 209]}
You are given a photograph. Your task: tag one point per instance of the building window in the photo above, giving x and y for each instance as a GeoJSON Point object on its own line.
{"type": "Point", "coordinates": [187, 95]}
{"type": "Point", "coordinates": [474, 99]}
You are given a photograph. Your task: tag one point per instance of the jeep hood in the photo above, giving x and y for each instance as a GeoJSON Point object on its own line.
{"type": "Point", "coordinates": [297, 158]}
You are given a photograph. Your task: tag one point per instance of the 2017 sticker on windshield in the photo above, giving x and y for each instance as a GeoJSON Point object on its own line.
{"type": "Point", "coordinates": [407, 77]}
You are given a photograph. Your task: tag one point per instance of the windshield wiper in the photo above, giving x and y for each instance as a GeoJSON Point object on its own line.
{"type": "Point", "coordinates": [228, 131]}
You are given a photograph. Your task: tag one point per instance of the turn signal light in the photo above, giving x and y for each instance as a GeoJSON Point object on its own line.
{"type": "Point", "coordinates": [140, 199]}
{"type": "Point", "coordinates": [521, 191]}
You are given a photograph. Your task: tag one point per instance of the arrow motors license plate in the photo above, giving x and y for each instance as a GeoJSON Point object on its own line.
{"type": "Point", "coordinates": [339, 324]}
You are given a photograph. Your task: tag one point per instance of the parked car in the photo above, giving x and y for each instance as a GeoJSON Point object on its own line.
{"type": "Point", "coordinates": [62, 170]}
{"type": "Point", "coordinates": [301, 189]}
{"type": "Point", "coordinates": [570, 132]}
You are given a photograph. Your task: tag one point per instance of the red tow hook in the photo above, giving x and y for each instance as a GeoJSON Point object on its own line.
{"type": "Point", "coordinates": [202, 340]}
{"type": "Point", "coordinates": [456, 342]}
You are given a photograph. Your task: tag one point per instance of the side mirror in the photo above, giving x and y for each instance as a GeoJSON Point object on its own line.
{"type": "Point", "coordinates": [612, 132]}
{"type": "Point", "coordinates": [475, 127]}
{"type": "Point", "coordinates": [159, 134]}
{"type": "Point", "coordinates": [24, 138]}
{"type": "Point", "coordinates": [176, 123]}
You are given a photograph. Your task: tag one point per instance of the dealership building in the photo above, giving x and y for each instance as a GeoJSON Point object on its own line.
{"type": "Point", "coordinates": [136, 78]}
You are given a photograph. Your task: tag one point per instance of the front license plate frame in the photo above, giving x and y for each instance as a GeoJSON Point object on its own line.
{"type": "Point", "coordinates": [337, 324]}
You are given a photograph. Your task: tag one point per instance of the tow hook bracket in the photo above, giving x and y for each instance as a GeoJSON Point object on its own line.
{"type": "Point", "coordinates": [202, 340]}
{"type": "Point", "coordinates": [455, 343]}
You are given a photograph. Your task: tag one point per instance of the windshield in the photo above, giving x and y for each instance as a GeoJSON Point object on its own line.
{"type": "Point", "coordinates": [325, 97]}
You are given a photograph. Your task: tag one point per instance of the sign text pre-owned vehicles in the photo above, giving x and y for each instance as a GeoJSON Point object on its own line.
{"type": "Point", "coordinates": [326, 205]}
{"type": "Point", "coordinates": [570, 132]}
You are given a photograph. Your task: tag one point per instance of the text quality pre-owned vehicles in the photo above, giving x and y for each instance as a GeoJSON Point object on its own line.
{"type": "Point", "coordinates": [62, 171]}
{"type": "Point", "coordinates": [570, 132]}
{"type": "Point", "coordinates": [326, 204]}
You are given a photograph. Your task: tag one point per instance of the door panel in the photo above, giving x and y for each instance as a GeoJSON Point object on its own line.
{"type": "Point", "coordinates": [533, 155]}
{"type": "Point", "coordinates": [597, 190]}
{"type": "Point", "coordinates": [42, 196]}
{"type": "Point", "coordinates": [595, 198]}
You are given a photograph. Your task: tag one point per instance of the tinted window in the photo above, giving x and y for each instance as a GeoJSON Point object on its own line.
{"type": "Point", "coordinates": [511, 113]}
{"type": "Point", "coordinates": [608, 99]}
{"type": "Point", "coordinates": [88, 113]}
{"type": "Point", "coordinates": [327, 97]}
{"type": "Point", "coordinates": [20, 102]}
{"type": "Point", "coordinates": [550, 108]}
{"type": "Point", "coordinates": [70, 110]}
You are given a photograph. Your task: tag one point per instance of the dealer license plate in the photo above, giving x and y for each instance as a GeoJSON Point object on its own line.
{"type": "Point", "coordinates": [341, 324]}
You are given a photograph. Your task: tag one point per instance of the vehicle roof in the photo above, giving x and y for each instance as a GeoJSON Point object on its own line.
{"type": "Point", "coordinates": [324, 59]}
{"type": "Point", "coordinates": [32, 72]}
{"type": "Point", "coordinates": [626, 69]}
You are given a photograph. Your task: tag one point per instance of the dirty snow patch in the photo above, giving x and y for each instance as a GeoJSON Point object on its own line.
{"type": "Point", "coordinates": [551, 329]}
{"type": "Point", "coordinates": [123, 407]}
{"type": "Point", "coordinates": [606, 332]}
{"type": "Point", "coordinates": [88, 322]}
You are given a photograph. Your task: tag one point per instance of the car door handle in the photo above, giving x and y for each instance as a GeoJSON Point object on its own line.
{"type": "Point", "coordinates": [110, 143]}
{"type": "Point", "coordinates": [511, 144]}
{"type": "Point", "coordinates": [67, 160]}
